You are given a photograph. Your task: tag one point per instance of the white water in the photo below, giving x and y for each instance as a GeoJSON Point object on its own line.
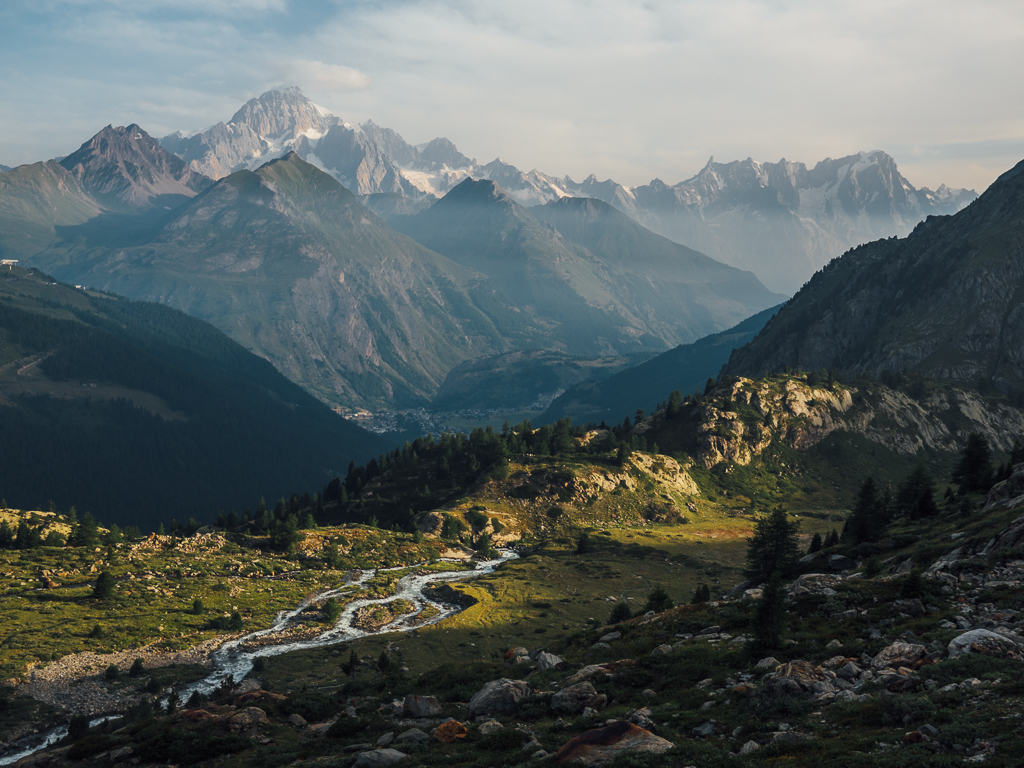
{"type": "Point", "coordinates": [230, 661]}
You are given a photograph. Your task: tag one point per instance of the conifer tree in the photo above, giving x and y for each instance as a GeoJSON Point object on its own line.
{"type": "Point", "coordinates": [815, 544]}
{"type": "Point", "coordinates": [774, 545]}
{"type": "Point", "coordinates": [973, 472]}
{"type": "Point", "coordinates": [770, 614]}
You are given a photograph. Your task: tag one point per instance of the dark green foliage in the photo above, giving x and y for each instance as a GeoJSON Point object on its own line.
{"type": "Point", "coordinates": [916, 498]}
{"type": "Point", "coordinates": [658, 600]}
{"type": "Point", "coordinates": [137, 668]}
{"type": "Point", "coordinates": [973, 472]}
{"type": "Point", "coordinates": [913, 585]}
{"type": "Point", "coordinates": [701, 595]}
{"type": "Point", "coordinates": [619, 613]}
{"type": "Point", "coordinates": [815, 544]}
{"type": "Point", "coordinates": [770, 614]}
{"type": "Point", "coordinates": [477, 519]}
{"type": "Point", "coordinates": [236, 415]}
{"type": "Point", "coordinates": [314, 706]}
{"type": "Point", "coordinates": [1017, 452]}
{"type": "Point", "coordinates": [89, 745]}
{"type": "Point", "coordinates": [906, 710]}
{"type": "Point", "coordinates": [112, 672]}
{"type": "Point", "coordinates": [235, 622]}
{"type": "Point", "coordinates": [78, 727]}
{"type": "Point", "coordinates": [174, 745]}
{"type": "Point", "coordinates": [773, 546]}
{"type": "Point", "coordinates": [583, 544]}
{"type": "Point", "coordinates": [198, 609]}
{"type": "Point", "coordinates": [105, 584]}
{"type": "Point", "coordinates": [330, 610]}
{"type": "Point", "coordinates": [831, 539]}
{"type": "Point", "coordinates": [869, 516]}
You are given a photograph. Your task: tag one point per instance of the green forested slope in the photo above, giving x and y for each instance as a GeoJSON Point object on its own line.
{"type": "Point", "coordinates": [182, 422]}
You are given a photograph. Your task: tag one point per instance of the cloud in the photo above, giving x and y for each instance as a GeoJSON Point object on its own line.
{"type": "Point", "coordinates": [318, 77]}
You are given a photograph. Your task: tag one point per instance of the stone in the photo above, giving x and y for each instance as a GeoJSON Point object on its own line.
{"type": "Point", "coordinates": [501, 695]}
{"type": "Point", "coordinates": [610, 637]}
{"type": "Point", "coordinates": [796, 676]}
{"type": "Point", "coordinates": [833, 644]}
{"type": "Point", "coordinates": [514, 653]}
{"type": "Point", "coordinates": [119, 755]}
{"type": "Point", "coordinates": [600, 647]}
{"type": "Point", "coordinates": [489, 726]}
{"type": "Point", "coordinates": [849, 671]}
{"type": "Point", "coordinates": [840, 563]}
{"type": "Point", "coordinates": [910, 607]}
{"type": "Point", "coordinates": [250, 717]}
{"type": "Point", "coordinates": [450, 731]}
{"type": "Point", "coordinates": [386, 739]}
{"type": "Point", "coordinates": [378, 758]}
{"type": "Point", "coordinates": [421, 706]}
{"type": "Point", "coordinates": [662, 650]}
{"type": "Point", "coordinates": [574, 699]}
{"type": "Point", "coordinates": [750, 746]}
{"type": "Point", "coordinates": [297, 720]}
{"type": "Point", "coordinates": [709, 631]}
{"type": "Point", "coordinates": [413, 735]}
{"type": "Point", "coordinates": [899, 654]}
{"type": "Point", "coordinates": [546, 661]}
{"type": "Point", "coordinates": [767, 662]}
{"type": "Point", "coordinates": [987, 642]}
{"type": "Point", "coordinates": [929, 730]}
{"type": "Point", "coordinates": [708, 728]}
{"type": "Point", "coordinates": [601, 746]}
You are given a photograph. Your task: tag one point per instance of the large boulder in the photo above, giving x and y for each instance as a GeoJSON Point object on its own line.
{"type": "Point", "coordinates": [601, 746]}
{"type": "Point", "coordinates": [245, 719]}
{"type": "Point", "coordinates": [574, 699]}
{"type": "Point", "coordinates": [899, 654]}
{"type": "Point", "coordinates": [987, 642]}
{"type": "Point", "coordinates": [498, 696]}
{"type": "Point", "coordinates": [421, 706]}
{"type": "Point", "coordinates": [449, 731]}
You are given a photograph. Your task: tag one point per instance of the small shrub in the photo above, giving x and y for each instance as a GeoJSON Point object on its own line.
{"type": "Point", "coordinates": [907, 709]}
{"type": "Point", "coordinates": [112, 672]}
{"type": "Point", "coordinates": [137, 668]}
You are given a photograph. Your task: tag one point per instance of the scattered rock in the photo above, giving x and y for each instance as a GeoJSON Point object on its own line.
{"type": "Point", "coordinates": [840, 563]}
{"type": "Point", "coordinates": [750, 746]}
{"type": "Point", "coordinates": [899, 654]}
{"type": "Point", "coordinates": [987, 642]}
{"type": "Point", "coordinates": [421, 706]}
{"type": "Point", "coordinates": [796, 676]}
{"type": "Point", "coordinates": [767, 663]}
{"type": "Point", "coordinates": [610, 637]}
{"type": "Point", "coordinates": [489, 726]}
{"type": "Point", "coordinates": [250, 717]}
{"type": "Point", "coordinates": [297, 720]}
{"type": "Point", "coordinates": [662, 650]}
{"type": "Point", "coordinates": [708, 728]}
{"type": "Point", "coordinates": [449, 731]}
{"type": "Point", "coordinates": [546, 661]}
{"type": "Point", "coordinates": [574, 699]}
{"type": "Point", "coordinates": [386, 739]}
{"type": "Point", "coordinates": [601, 746]}
{"type": "Point", "coordinates": [413, 735]}
{"type": "Point", "coordinates": [498, 696]}
{"type": "Point", "coordinates": [378, 758]}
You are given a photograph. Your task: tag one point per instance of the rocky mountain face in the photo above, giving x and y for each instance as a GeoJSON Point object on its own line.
{"type": "Point", "coordinates": [779, 220]}
{"type": "Point", "coordinates": [261, 130]}
{"type": "Point", "coordinates": [599, 282]}
{"type": "Point", "coordinates": [125, 167]}
{"type": "Point", "coordinates": [288, 263]}
{"type": "Point", "coordinates": [740, 419]}
{"type": "Point", "coordinates": [946, 302]}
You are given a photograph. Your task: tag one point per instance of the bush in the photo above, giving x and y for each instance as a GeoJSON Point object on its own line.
{"type": "Point", "coordinates": [174, 745]}
{"type": "Point", "coordinates": [905, 710]}
{"type": "Point", "coordinates": [658, 600]}
{"type": "Point", "coordinates": [619, 613]}
{"type": "Point", "coordinates": [112, 672]}
{"type": "Point", "coordinates": [137, 668]}
{"type": "Point", "coordinates": [314, 706]}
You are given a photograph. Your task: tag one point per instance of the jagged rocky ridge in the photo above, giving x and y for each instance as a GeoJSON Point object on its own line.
{"type": "Point", "coordinates": [780, 220]}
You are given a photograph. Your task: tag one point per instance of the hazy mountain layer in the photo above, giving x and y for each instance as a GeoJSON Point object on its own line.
{"type": "Point", "coordinates": [946, 302]}
{"type": "Point", "coordinates": [289, 263]}
{"type": "Point", "coordinates": [595, 280]}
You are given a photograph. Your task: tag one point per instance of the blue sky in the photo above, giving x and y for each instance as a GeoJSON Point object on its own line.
{"type": "Point", "coordinates": [622, 89]}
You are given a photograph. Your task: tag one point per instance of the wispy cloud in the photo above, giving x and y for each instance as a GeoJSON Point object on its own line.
{"type": "Point", "coordinates": [624, 88]}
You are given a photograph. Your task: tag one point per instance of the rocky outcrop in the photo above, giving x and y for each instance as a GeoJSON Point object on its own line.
{"type": "Point", "coordinates": [739, 420]}
{"type": "Point", "coordinates": [574, 699]}
{"type": "Point", "coordinates": [988, 643]}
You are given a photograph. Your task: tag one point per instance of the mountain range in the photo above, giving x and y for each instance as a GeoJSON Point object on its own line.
{"type": "Point", "coordinates": [779, 220]}
{"type": "Point", "coordinates": [289, 263]}
{"type": "Point", "coordinates": [946, 302]}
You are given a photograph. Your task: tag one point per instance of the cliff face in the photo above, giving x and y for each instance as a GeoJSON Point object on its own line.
{"type": "Point", "coordinates": [739, 421]}
{"type": "Point", "coordinates": [947, 302]}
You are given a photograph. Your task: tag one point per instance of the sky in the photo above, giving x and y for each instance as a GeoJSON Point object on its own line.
{"type": "Point", "coordinates": [622, 89]}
